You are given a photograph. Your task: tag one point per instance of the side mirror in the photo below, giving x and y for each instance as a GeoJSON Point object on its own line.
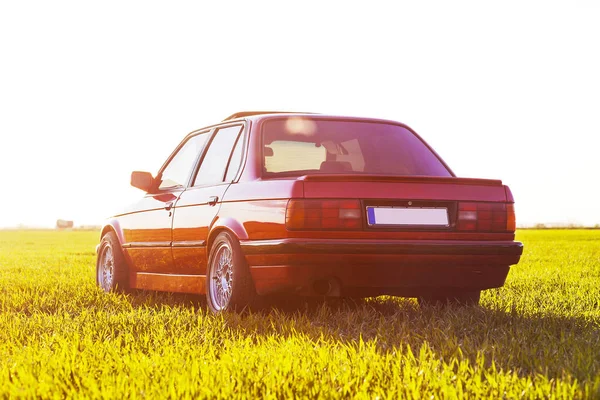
{"type": "Point", "coordinates": [142, 180]}
{"type": "Point", "coordinates": [268, 151]}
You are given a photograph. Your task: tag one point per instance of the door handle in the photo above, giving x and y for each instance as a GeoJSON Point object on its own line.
{"type": "Point", "coordinates": [212, 200]}
{"type": "Point", "coordinates": [169, 205]}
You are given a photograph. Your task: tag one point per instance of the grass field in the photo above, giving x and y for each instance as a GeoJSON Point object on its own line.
{"type": "Point", "coordinates": [60, 336]}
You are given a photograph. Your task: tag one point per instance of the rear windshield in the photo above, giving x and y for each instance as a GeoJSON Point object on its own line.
{"type": "Point", "coordinates": [300, 146]}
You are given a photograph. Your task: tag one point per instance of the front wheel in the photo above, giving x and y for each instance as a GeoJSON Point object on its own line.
{"type": "Point", "coordinates": [111, 268]}
{"type": "Point", "coordinates": [230, 285]}
{"type": "Point", "coordinates": [454, 298]}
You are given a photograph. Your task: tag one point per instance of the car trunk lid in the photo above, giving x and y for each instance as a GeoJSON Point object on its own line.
{"type": "Point", "coordinates": [403, 188]}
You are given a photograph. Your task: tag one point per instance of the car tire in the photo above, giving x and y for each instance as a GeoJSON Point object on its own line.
{"type": "Point", "coordinates": [229, 284]}
{"type": "Point", "coordinates": [112, 273]}
{"type": "Point", "coordinates": [457, 298]}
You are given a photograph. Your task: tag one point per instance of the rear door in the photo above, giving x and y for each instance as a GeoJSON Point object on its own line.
{"type": "Point", "coordinates": [147, 228]}
{"type": "Point", "coordinates": [198, 206]}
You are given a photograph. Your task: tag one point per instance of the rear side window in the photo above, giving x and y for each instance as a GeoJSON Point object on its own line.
{"type": "Point", "coordinates": [214, 163]}
{"type": "Point", "coordinates": [297, 147]}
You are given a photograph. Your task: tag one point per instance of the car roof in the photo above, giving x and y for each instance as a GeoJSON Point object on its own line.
{"type": "Point", "coordinates": [258, 115]}
{"type": "Point", "coordinates": [246, 114]}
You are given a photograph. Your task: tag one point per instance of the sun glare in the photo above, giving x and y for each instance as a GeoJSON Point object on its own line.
{"type": "Point", "coordinates": [499, 94]}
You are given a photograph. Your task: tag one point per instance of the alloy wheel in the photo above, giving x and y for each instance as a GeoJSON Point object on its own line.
{"type": "Point", "coordinates": [106, 268]}
{"type": "Point", "coordinates": [221, 277]}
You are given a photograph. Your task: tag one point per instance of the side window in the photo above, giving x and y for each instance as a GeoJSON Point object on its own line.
{"type": "Point", "coordinates": [177, 172]}
{"type": "Point", "coordinates": [236, 159]}
{"type": "Point", "coordinates": [212, 169]}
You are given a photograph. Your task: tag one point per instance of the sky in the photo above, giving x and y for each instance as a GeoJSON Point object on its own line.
{"type": "Point", "coordinates": [90, 91]}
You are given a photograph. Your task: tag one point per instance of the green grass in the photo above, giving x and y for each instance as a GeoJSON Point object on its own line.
{"type": "Point", "coordinates": [60, 336]}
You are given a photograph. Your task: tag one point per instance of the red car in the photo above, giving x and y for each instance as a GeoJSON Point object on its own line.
{"type": "Point", "coordinates": [310, 204]}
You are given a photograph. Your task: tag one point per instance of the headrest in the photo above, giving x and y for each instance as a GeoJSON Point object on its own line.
{"type": "Point", "coordinates": [335, 166]}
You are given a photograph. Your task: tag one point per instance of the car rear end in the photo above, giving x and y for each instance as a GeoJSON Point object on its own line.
{"type": "Point", "coordinates": [378, 212]}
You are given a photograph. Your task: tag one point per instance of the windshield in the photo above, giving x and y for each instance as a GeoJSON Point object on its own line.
{"type": "Point", "coordinates": [301, 146]}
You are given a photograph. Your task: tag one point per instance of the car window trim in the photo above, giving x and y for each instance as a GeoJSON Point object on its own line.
{"type": "Point", "coordinates": [239, 137]}
{"type": "Point", "coordinates": [199, 161]}
{"type": "Point", "coordinates": [245, 149]}
{"type": "Point", "coordinates": [174, 153]}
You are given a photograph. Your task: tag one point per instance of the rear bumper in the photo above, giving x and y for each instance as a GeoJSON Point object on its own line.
{"type": "Point", "coordinates": [336, 246]}
{"type": "Point", "coordinates": [371, 267]}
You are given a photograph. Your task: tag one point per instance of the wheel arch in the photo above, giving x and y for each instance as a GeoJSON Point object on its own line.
{"type": "Point", "coordinates": [229, 225]}
{"type": "Point", "coordinates": [112, 226]}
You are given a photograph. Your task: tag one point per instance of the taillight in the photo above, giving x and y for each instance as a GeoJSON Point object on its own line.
{"type": "Point", "coordinates": [486, 217]}
{"type": "Point", "coordinates": [511, 219]}
{"type": "Point", "coordinates": [323, 214]}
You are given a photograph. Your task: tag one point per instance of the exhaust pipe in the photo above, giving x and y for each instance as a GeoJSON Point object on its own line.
{"type": "Point", "coordinates": [326, 287]}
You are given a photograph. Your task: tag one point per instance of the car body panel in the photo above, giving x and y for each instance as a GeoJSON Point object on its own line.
{"type": "Point", "coordinates": [147, 233]}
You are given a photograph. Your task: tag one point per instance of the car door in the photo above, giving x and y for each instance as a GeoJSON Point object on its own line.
{"type": "Point", "coordinates": [147, 229]}
{"type": "Point", "coordinates": [198, 206]}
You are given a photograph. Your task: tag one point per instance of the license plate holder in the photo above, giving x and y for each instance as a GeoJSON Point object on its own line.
{"type": "Point", "coordinates": [434, 217]}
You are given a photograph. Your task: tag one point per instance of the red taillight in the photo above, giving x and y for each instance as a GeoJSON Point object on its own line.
{"type": "Point", "coordinates": [323, 214]}
{"type": "Point", "coordinates": [511, 219]}
{"type": "Point", "coordinates": [486, 217]}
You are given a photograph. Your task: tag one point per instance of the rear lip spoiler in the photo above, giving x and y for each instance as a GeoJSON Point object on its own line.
{"type": "Point", "coordinates": [400, 179]}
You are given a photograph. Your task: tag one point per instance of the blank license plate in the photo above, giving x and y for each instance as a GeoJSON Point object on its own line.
{"type": "Point", "coordinates": [437, 216]}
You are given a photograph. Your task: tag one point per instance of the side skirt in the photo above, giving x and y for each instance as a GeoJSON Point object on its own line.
{"type": "Point", "coordinates": [170, 282]}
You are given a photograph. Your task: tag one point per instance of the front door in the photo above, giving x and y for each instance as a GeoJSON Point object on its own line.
{"type": "Point", "coordinates": [147, 226]}
{"type": "Point", "coordinates": [147, 232]}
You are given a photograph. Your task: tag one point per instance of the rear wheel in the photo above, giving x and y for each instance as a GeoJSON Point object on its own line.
{"type": "Point", "coordinates": [112, 274]}
{"type": "Point", "coordinates": [230, 285]}
{"type": "Point", "coordinates": [456, 298]}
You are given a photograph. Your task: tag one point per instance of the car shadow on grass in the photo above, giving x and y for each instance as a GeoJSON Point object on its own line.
{"type": "Point", "coordinates": [508, 336]}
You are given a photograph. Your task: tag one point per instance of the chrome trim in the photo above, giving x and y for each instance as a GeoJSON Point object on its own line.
{"type": "Point", "coordinates": [146, 244]}
{"type": "Point", "coordinates": [190, 243]}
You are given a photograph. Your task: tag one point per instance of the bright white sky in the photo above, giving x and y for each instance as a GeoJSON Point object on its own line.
{"type": "Point", "coordinates": [91, 91]}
